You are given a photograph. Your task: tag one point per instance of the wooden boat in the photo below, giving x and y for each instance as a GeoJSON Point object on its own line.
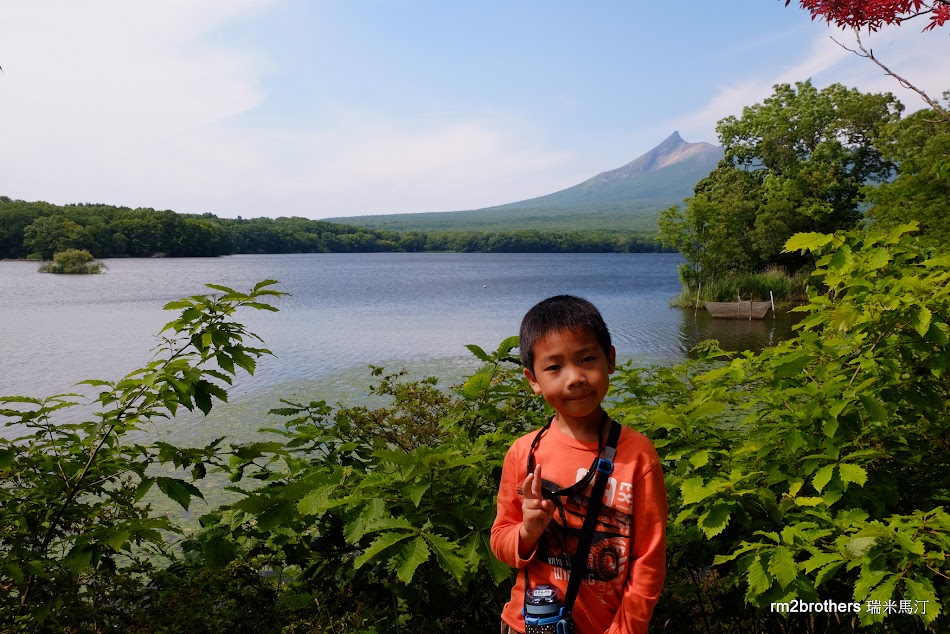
{"type": "Point", "coordinates": [738, 310]}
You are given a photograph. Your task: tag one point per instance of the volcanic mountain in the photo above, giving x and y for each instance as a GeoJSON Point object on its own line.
{"type": "Point", "coordinates": [627, 198]}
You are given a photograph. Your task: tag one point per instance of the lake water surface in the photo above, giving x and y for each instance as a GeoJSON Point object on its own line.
{"type": "Point", "coordinates": [344, 311]}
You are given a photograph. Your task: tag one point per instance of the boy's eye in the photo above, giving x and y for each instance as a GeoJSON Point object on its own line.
{"type": "Point", "coordinates": [552, 368]}
{"type": "Point", "coordinates": [589, 359]}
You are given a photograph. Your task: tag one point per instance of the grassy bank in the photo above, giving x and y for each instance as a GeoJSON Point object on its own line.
{"type": "Point", "coordinates": [787, 290]}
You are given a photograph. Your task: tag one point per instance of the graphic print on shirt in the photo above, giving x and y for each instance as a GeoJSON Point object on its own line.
{"type": "Point", "coordinates": [608, 556]}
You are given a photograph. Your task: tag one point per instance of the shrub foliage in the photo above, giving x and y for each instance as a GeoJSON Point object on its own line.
{"type": "Point", "coordinates": [815, 470]}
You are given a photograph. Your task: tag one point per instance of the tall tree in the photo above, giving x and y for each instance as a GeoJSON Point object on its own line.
{"type": "Point", "coordinates": [920, 145]}
{"type": "Point", "coordinates": [796, 162]}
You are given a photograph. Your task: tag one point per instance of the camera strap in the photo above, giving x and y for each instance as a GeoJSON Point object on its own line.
{"type": "Point", "coordinates": [600, 471]}
{"type": "Point", "coordinates": [605, 466]}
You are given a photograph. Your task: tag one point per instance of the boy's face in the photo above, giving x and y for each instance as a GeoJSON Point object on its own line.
{"type": "Point", "coordinates": [573, 372]}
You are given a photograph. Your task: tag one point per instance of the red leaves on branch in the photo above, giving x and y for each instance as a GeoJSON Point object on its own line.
{"type": "Point", "coordinates": [873, 14]}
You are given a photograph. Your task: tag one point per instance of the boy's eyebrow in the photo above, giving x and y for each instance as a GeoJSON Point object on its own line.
{"type": "Point", "coordinates": [555, 356]}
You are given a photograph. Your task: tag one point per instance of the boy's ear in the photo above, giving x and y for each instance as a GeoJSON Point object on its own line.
{"type": "Point", "coordinates": [532, 381]}
{"type": "Point", "coordinates": [612, 360]}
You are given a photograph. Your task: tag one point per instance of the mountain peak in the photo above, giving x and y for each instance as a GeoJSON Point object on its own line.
{"type": "Point", "coordinates": [670, 151]}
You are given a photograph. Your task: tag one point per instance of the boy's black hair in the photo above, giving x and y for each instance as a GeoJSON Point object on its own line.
{"type": "Point", "coordinates": [561, 312]}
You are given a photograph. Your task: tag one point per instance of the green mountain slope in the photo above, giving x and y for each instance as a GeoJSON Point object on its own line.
{"type": "Point", "coordinates": [626, 199]}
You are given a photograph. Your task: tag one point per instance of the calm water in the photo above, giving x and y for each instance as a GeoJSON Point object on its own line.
{"type": "Point", "coordinates": [344, 311]}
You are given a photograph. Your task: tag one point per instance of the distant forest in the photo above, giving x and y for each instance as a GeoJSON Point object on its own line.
{"type": "Point", "coordinates": [39, 229]}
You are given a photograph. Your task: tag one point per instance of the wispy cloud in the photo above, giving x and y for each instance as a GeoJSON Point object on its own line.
{"type": "Point", "coordinates": [825, 62]}
{"type": "Point", "coordinates": [137, 104]}
{"type": "Point", "coordinates": [157, 103]}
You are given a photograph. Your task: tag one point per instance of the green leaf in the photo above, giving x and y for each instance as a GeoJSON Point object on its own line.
{"type": "Point", "coordinates": [708, 408]}
{"type": "Point", "coordinates": [842, 260]}
{"type": "Point", "coordinates": [499, 572]}
{"type": "Point", "coordinates": [445, 553]}
{"type": "Point", "coordinates": [178, 490]}
{"type": "Point", "coordinates": [921, 320]}
{"type": "Point", "coordinates": [278, 514]}
{"type": "Point", "coordinates": [143, 488]}
{"type": "Point", "coordinates": [821, 559]}
{"type": "Point", "coordinates": [853, 473]}
{"type": "Point", "coordinates": [922, 592]}
{"type": "Point", "coordinates": [909, 543]}
{"type": "Point", "coordinates": [807, 241]}
{"type": "Point", "coordinates": [791, 365]}
{"type": "Point", "coordinates": [368, 516]}
{"type": "Point", "coordinates": [758, 579]}
{"type": "Point", "coordinates": [409, 557]}
{"type": "Point", "coordinates": [219, 551]}
{"type": "Point", "coordinates": [699, 458]}
{"type": "Point", "coordinates": [693, 490]}
{"type": "Point", "coordinates": [6, 457]}
{"type": "Point", "coordinates": [823, 477]}
{"type": "Point", "coordinates": [117, 539]}
{"type": "Point", "coordinates": [506, 346]}
{"type": "Point", "coordinates": [417, 491]}
{"type": "Point", "coordinates": [827, 572]}
{"type": "Point", "coordinates": [383, 542]}
{"type": "Point", "coordinates": [874, 410]}
{"type": "Point", "coordinates": [857, 546]}
{"type": "Point", "coordinates": [223, 289]}
{"type": "Point", "coordinates": [480, 354]}
{"type": "Point", "coordinates": [78, 558]}
{"type": "Point", "coordinates": [14, 572]}
{"type": "Point", "coordinates": [715, 520]}
{"type": "Point", "coordinates": [175, 305]}
{"type": "Point", "coordinates": [782, 566]}
{"type": "Point", "coordinates": [320, 500]}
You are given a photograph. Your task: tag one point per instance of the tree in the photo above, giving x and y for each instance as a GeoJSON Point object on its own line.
{"type": "Point", "coordinates": [796, 162]}
{"type": "Point", "coordinates": [72, 261]}
{"type": "Point", "coordinates": [873, 14]}
{"type": "Point", "coordinates": [920, 145]}
{"type": "Point", "coordinates": [50, 234]}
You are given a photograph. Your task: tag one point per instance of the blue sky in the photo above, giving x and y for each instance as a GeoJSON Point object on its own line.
{"type": "Point", "coordinates": [346, 107]}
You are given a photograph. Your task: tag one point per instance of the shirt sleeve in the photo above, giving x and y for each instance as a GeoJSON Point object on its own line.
{"type": "Point", "coordinates": [505, 531]}
{"type": "Point", "coordinates": [645, 580]}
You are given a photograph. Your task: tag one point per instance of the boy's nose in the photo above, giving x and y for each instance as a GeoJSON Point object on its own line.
{"type": "Point", "coordinates": [577, 377]}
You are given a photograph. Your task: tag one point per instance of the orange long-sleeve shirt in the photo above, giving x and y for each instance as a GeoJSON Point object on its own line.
{"type": "Point", "coordinates": [627, 560]}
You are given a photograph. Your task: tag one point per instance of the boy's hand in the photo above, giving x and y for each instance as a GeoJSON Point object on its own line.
{"type": "Point", "coordinates": [536, 513]}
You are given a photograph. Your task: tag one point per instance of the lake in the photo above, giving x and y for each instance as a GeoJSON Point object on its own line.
{"type": "Point", "coordinates": [344, 311]}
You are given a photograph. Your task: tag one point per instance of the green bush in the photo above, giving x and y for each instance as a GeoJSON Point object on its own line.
{"type": "Point", "coordinates": [74, 532]}
{"type": "Point", "coordinates": [72, 261]}
{"type": "Point", "coordinates": [816, 470]}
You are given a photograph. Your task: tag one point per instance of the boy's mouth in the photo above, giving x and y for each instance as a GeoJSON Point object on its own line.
{"type": "Point", "coordinates": [580, 397]}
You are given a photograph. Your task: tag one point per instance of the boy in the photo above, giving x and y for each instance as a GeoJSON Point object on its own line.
{"type": "Point", "coordinates": [567, 356]}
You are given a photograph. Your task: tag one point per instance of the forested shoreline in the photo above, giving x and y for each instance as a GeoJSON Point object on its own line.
{"type": "Point", "coordinates": [37, 230]}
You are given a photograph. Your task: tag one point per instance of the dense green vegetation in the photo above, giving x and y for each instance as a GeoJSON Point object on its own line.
{"type": "Point", "coordinates": [920, 146]}
{"type": "Point", "coordinates": [815, 470]}
{"type": "Point", "coordinates": [773, 284]}
{"type": "Point", "coordinates": [796, 162]}
{"type": "Point", "coordinates": [40, 229]}
{"type": "Point", "coordinates": [73, 261]}
{"type": "Point", "coordinates": [637, 218]}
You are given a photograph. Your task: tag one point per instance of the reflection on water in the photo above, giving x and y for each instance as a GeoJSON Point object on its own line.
{"type": "Point", "coordinates": [737, 334]}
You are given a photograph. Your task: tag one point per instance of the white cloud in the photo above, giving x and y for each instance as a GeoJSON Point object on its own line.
{"type": "Point", "coordinates": [907, 51]}
{"type": "Point", "coordinates": [146, 103]}
{"type": "Point", "coordinates": [102, 99]}
{"type": "Point", "coordinates": [133, 103]}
